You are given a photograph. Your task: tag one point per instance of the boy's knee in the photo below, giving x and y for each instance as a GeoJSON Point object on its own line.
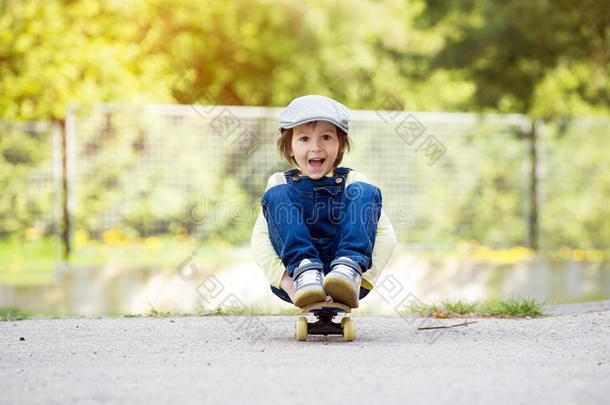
{"type": "Point", "coordinates": [279, 194]}
{"type": "Point", "coordinates": [363, 191]}
{"type": "Point", "coordinates": [280, 205]}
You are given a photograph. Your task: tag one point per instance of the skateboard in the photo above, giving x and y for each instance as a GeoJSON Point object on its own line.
{"type": "Point", "coordinates": [324, 313]}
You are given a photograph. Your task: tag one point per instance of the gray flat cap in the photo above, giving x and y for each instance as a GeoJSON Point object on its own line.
{"type": "Point", "coordinates": [314, 108]}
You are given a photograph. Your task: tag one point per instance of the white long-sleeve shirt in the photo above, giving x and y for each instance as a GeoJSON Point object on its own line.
{"type": "Point", "coordinates": [270, 263]}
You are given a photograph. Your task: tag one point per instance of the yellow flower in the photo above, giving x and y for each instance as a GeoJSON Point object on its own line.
{"type": "Point", "coordinates": [112, 236]}
{"type": "Point", "coordinates": [482, 252]}
{"type": "Point", "coordinates": [594, 255]}
{"type": "Point", "coordinates": [81, 238]}
{"type": "Point", "coordinates": [32, 234]}
{"type": "Point", "coordinates": [578, 255]}
{"type": "Point", "coordinates": [152, 242]}
{"type": "Point", "coordinates": [518, 253]}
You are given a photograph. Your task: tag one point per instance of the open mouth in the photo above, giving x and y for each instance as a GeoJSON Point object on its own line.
{"type": "Point", "coordinates": [316, 163]}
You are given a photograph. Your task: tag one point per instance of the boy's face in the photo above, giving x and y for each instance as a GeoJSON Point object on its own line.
{"type": "Point", "coordinates": [315, 148]}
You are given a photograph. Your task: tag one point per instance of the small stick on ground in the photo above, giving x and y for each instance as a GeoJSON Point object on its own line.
{"type": "Point", "coordinates": [466, 323]}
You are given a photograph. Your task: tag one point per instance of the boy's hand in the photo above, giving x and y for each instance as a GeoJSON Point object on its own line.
{"type": "Point", "coordinates": [288, 285]}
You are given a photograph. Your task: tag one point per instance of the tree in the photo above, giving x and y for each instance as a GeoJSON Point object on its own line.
{"type": "Point", "coordinates": [510, 48]}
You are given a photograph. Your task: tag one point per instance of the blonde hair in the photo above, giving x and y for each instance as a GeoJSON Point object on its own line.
{"type": "Point", "coordinates": [284, 143]}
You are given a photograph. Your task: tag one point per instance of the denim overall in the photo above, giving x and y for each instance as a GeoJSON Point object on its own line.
{"type": "Point", "coordinates": [322, 220]}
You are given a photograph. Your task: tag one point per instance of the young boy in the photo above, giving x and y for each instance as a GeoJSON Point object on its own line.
{"type": "Point", "coordinates": [321, 234]}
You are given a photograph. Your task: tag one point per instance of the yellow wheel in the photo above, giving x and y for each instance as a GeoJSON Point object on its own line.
{"type": "Point", "coordinates": [349, 329]}
{"type": "Point", "coordinates": [300, 330]}
{"type": "Point", "coordinates": [343, 321]}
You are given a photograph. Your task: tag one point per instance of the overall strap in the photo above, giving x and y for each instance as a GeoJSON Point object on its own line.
{"type": "Point", "coordinates": [342, 170]}
{"type": "Point", "coordinates": [290, 174]}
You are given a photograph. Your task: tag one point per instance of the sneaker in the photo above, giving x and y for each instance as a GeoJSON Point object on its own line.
{"type": "Point", "coordinates": [343, 283]}
{"type": "Point", "coordinates": [308, 286]}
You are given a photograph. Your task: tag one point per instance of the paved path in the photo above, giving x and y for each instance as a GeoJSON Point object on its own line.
{"type": "Point", "coordinates": [559, 359]}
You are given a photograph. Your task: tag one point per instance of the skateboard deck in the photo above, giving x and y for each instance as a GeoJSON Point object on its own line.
{"type": "Point", "coordinates": [325, 312]}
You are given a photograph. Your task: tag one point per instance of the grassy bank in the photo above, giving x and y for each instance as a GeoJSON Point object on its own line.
{"type": "Point", "coordinates": [31, 262]}
{"type": "Point", "coordinates": [516, 308]}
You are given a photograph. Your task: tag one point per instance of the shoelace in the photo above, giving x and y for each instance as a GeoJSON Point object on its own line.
{"type": "Point", "coordinates": [310, 276]}
{"type": "Point", "coordinates": [345, 270]}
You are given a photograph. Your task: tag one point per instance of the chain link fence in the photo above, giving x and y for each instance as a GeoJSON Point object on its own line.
{"type": "Point", "coordinates": [574, 177]}
{"type": "Point", "coordinates": [30, 202]}
{"type": "Point", "coordinates": [147, 180]}
{"type": "Point", "coordinates": [202, 170]}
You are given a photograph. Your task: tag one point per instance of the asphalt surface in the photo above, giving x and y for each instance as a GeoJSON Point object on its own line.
{"type": "Point", "coordinates": [221, 359]}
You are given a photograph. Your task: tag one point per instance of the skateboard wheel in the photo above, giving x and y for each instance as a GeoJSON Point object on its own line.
{"type": "Point", "coordinates": [343, 321]}
{"type": "Point", "coordinates": [300, 330]}
{"type": "Point", "coordinates": [349, 329]}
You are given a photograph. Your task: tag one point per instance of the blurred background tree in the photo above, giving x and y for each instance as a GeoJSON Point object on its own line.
{"type": "Point", "coordinates": [537, 57]}
{"type": "Point", "coordinates": [541, 58]}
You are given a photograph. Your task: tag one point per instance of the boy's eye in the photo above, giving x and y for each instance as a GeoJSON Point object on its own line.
{"type": "Point", "coordinates": [326, 137]}
{"type": "Point", "coordinates": [304, 138]}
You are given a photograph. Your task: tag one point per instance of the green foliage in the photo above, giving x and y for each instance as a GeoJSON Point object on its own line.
{"type": "Point", "coordinates": [116, 176]}
{"type": "Point", "coordinates": [459, 307]}
{"type": "Point", "coordinates": [448, 307]}
{"type": "Point", "coordinates": [508, 56]}
{"type": "Point", "coordinates": [13, 314]}
{"type": "Point", "coordinates": [26, 179]}
{"type": "Point", "coordinates": [468, 194]}
{"type": "Point", "coordinates": [156, 314]}
{"type": "Point", "coordinates": [55, 52]}
{"type": "Point", "coordinates": [539, 58]}
{"type": "Point", "coordinates": [526, 56]}
{"type": "Point", "coordinates": [516, 307]}
{"type": "Point", "coordinates": [575, 184]}
{"type": "Point", "coordinates": [25, 261]}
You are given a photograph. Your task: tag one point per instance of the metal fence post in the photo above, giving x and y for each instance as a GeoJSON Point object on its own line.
{"type": "Point", "coordinates": [58, 189]}
{"type": "Point", "coordinates": [65, 234]}
{"type": "Point", "coordinates": [533, 186]}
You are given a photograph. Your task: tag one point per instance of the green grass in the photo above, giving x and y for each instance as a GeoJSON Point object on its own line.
{"type": "Point", "coordinates": [170, 252]}
{"type": "Point", "coordinates": [201, 310]}
{"type": "Point", "coordinates": [198, 311]}
{"type": "Point", "coordinates": [13, 314]}
{"type": "Point", "coordinates": [517, 307]}
{"type": "Point", "coordinates": [460, 307]}
{"type": "Point", "coordinates": [30, 262]}
{"type": "Point", "coordinates": [26, 261]}
{"type": "Point", "coordinates": [449, 307]}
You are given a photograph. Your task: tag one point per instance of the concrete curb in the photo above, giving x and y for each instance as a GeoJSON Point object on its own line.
{"type": "Point", "coordinates": [578, 308]}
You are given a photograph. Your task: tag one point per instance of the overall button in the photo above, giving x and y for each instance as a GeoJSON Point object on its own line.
{"type": "Point", "coordinates": [296, 178]}
{"type": "Point", "coordinates": [338, 180]}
